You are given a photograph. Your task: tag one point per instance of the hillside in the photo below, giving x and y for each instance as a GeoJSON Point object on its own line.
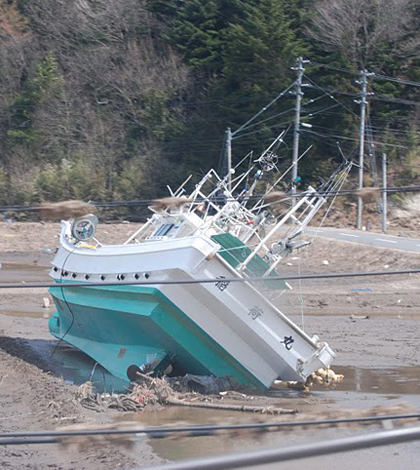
{"type": "Point", "coordinates": [109, 100]}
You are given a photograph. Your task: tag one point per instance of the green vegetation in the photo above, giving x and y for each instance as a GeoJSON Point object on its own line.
{"type": "Point", "coordinates": [115, 100]}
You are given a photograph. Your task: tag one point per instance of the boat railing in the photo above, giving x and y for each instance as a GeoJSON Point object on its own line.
{"type": "Point", "coordinates": [300, 214]}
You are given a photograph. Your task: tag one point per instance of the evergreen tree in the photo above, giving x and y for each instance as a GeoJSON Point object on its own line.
{"type": "Point", "coordinates": [196, 34]}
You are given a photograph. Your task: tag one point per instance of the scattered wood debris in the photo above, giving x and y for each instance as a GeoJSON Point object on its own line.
{"type": "Point", "coordinates": [65, 209]}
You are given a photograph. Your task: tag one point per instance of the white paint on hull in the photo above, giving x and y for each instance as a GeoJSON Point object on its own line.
{"type": "Point", "coordinates": [239, 318]}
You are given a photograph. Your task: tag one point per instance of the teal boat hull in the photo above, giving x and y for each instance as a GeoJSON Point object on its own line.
{"type": "Point", "coordinates": [125, 326]}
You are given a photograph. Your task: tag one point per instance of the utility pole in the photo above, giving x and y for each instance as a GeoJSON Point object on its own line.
{"type": "Point", "coordinates": [299, 94]}
{"type": "Point", "coordinates": [363, 102]}
{"type": "Point", "coordinates": [229, 157]}
{"type": "Point", "coordinates": [384, 194]}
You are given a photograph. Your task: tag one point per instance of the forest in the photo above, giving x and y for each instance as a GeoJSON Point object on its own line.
{"type": "Point", "coordinates": [114, 100]}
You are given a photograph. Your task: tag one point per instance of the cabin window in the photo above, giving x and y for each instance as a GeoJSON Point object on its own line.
{"type": "Point", "coordinates": [163, 230]}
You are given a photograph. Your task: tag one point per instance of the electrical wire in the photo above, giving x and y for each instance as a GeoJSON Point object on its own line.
{"type": "Point", "coordinates": [282, 454]}
{"type": "Point", "coordinates": [77, 285]}
{"type": "Point", "coordinates": [150, 202]}
{"type": "Point", "coordinates": [352, 139]}
{"type": "Point", "coordinates": [274, 100]}
{"type": "Point", "coordinates": [331, 96]}
{"type": "Point", "coordinates": [202, 429]}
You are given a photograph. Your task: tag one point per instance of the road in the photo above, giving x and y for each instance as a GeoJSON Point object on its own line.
{"type": "Point", "coordinates": [377, 240]}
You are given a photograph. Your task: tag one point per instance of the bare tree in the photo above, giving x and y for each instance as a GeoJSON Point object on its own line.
{"type": "Point", "coordinates": [359, 28]}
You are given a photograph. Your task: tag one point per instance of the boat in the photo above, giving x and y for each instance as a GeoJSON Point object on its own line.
{"type": "Point", "coordinates": [193, 290]}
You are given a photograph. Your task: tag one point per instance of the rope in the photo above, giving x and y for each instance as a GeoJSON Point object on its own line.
{"type": "Point", "coordinates": [67, 304]}
{"type": "Point", "coordinates": [338, 184]}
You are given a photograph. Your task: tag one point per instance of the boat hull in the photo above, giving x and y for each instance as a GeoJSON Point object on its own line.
{"type": "Point", "coordinates": [124, 326]}
{"type": "Point", "coordinates": [216, 328]}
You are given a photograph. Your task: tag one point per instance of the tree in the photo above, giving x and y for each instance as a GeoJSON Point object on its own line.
{"type": "Point", "coordinates": [362, 30]}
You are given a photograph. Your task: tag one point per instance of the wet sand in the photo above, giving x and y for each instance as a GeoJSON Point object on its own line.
{"type": "Point", "coordinates": [379, 357]}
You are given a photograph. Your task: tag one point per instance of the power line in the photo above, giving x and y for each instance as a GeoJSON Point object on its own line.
{"type": "Point", "coordinates": [265, 120]}
{"type": "Point", "coordinates": [201, 429]}
{"type": "Point", "coordinates": [332, 97]}
{"type": "Point", "coordinates": [256, 197]}
{"type": "Point", "coordinates": [388, 99]}
{"type": "Point", "coordinates": [76, 284]}
{"type": "Point", "coordinates": [266, 456]}
{"type": "Point", "coordinates": [352, 139]}
{"type": "Point", "coordinates": [377, 76]}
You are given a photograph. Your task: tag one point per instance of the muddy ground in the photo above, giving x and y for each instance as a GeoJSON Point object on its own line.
{"type": "Point", "coordinates": [378, 355]}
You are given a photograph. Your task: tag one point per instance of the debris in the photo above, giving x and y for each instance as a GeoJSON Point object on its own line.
{"type": "Point", "coordinates": [153, 391]}
{"type": "Point", "coordinates": [275, 197]}
{"type": "Point", "coordinates": [386, 266]}
{"type": "Point", "coordinates": [367, 194]}
{"type": "Point", "coordinates": [46, 303]}
{"type": "Point", "coordinates": [201, 383]}
{"type": "Point", "coordinates": [297, 386]}
{"type": "Point", "coordinates": [91, 442]}
{"type": "Point", "coordinates": [170, 202]}
{"type": "Point", "coordinates": [65, 209]}
{"type": "Point", "coordinates": [326, 262]}
{"type": "Point", "coordinates": [359, 317]}
{"type": "Point", "coordinates": [323, 377]}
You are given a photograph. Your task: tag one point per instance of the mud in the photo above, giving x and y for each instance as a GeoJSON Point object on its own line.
{"type": "Point", "coordinates": [378, 355]}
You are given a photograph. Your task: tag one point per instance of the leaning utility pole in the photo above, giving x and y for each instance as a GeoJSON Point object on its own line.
{"type": "Point", "coordinates": [298, 91]}
{"type": "Point", "coordinates": [363, 102]}
{"type": "Point", "coordinates": [384, 194]}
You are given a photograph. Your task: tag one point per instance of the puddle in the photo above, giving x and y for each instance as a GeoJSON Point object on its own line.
{"type": "Point", "coordinates": [16, 305]}
{"type": "Point", "coordinates": [361, 389]}
{"type": "Point", "coordinates": [177, 447]}
{"type": "Point", "coordinates": [398, 381]}
{"type": "Point", "coordinates": [401, 381]}
{"type": "Point", "coordinates": [11, 272]}
{"type": "Point", "coordinates": [23, 311]}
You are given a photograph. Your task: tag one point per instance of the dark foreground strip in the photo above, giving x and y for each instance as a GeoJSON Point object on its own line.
{"type": "Point", "coordinates": [47, 437]}
{"type": "Point", "coordinates": [260, 457]}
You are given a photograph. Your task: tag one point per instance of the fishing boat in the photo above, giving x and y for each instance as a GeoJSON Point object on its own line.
{"type": "Point", "coordinates": [193, 290]}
